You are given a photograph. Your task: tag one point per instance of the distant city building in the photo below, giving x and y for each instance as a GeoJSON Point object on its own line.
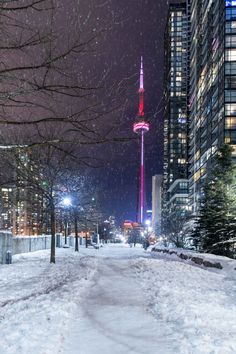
{"type": "Point", "coordinates": [175, 181]}
{"type": "Point", "coordinates": [156, 203]}
{"type": "Point", "coordinates": [21, 208]}
{"type": "Point", "coordinates": [129, 225]}
{"type": "Point", "coordinates": [27, 212]}
{"type": "Point", "coordinates": [6, 208]}
{"type": "Point", "coordinates": [21, 211]}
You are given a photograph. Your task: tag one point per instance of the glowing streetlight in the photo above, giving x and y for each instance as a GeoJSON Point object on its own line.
{"type": "Point", "coordinates": [67, 201]}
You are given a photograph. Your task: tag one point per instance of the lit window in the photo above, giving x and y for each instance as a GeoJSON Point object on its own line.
{"type": "Point", "coordinates": [234, 150]}
{"type": "Point", "coordinates": [230, 55]}
{"type": "Point", "coordinates": [197, 155]}
{"type": "Point", "coordinates": [197, 175]}
{"type": "Point", "coordinates": [230, 123]}
{"type": "Point", "coordinates": [181, 161]}
{"type": "Point", "coordinates": [230, 41]}
{"type": "Point", "coordinates": [230, 27]}
{"type": "Point", "coordinates": [230, 109]}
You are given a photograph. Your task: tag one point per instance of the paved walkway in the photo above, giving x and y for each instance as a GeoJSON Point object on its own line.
{"type": "Point", "coordinates": [113, 318]}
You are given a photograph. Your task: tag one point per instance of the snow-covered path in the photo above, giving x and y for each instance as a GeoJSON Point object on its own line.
{"type": "Point", "coordinates": [113, 316]}
{"type": "Point", "coordinates": [116, 300]}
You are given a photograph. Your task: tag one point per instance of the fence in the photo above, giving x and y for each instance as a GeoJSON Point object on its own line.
{"type": "Point", "coordinates": [10, 245]}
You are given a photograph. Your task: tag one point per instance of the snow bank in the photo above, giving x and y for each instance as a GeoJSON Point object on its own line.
{"type": "Point", "coordinates": [195, 305]}
{"type": "Point", "coordinates": [41, 304]}
{"type": "Point", "coordinates": [38, 299]}
{"type": "Point", "coordinates": [205, 259]}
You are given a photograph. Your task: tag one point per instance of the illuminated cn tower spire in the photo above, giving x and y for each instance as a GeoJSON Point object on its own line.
{"type": "Point", "coordinates": [141, 127]}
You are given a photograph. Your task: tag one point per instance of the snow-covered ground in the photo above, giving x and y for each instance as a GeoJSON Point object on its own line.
{"type": "Point", "coordinates": [196, 304]}
{"type": "Point", "coordinates": [116, 300]}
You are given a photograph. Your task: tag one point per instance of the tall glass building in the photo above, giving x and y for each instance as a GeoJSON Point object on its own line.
{"type": "Point", "coordinates": [212, 98]}
{"type": "Point", "coordinates": [22, 208]}
{"type": "Point", "coordinates": [175, 182]}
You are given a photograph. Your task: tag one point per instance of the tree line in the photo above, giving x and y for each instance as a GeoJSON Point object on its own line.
{"type": "Point", "coordinates": [213, 230]}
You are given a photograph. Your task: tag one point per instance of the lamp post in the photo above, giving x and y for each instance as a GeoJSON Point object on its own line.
{"type": "Point", "coordinates": [76, 231]}
{"type": "Point", "coordinates": [66, 230]}
{"type": "Point", "coordinates": [98, 241]}
{"type": "Point", "coordinates": [67, 203]}
{"type": "Point", "coordinates": [86, 233]}
{"type": "Point", "coordinates": [106, 229]}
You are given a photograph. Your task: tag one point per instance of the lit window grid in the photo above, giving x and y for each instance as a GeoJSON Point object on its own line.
{"type": "Point", "coordinates": [225, 101]}
{"type": "Point", "coordinates": [175, 123]}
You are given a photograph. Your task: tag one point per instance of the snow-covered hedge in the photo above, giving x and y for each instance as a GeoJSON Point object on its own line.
{"type": "Point", "coordinates": [207, 260]}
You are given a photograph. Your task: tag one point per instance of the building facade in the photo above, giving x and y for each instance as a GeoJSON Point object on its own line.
{"type": "Point", "coordinates": [212, 101]}
{"type": "Point", "coordinates": [156, 203]}
{"type": "Point", "coordinates": [200, 96]}
{"type": "Point", "coordinates": [22, 208]}
{"type": "Point", "coordinates": [175, 181]}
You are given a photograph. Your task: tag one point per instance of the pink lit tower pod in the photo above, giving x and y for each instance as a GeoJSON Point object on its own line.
{"type": "Point", "coordinates": [141, 127]}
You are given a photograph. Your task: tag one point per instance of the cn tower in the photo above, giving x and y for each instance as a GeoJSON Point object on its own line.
{"type": "Point", "coordinates": [141, 127]}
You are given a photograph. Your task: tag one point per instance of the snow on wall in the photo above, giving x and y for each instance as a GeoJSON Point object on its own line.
{"type": "Point", "coordinates": [207, 260]}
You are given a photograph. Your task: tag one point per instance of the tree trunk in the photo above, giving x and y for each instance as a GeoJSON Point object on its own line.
{"type": "Point", "coordinates": [86, 235]}
{"type": "Point", "coordinates": [66, 230]}
{"type": "Point", "coordinates": [76, 234]}
{"type": "Point", "coordinates": [53, 232]}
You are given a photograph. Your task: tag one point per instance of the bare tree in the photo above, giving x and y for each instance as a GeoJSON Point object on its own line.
{"type": "Point", "coordinates": [37, 171]}
{"type": "Point", "coordinates": [80, 192]}
{"type": "Point", "coordinates": [46, 81]}
{"type": "Point", "coordinates": [51, 104]}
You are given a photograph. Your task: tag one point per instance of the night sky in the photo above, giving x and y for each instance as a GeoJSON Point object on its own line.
{"type": "Point", "coordinates": [124, 30]}
{"type": "Point", "coordinates": [138, 30]}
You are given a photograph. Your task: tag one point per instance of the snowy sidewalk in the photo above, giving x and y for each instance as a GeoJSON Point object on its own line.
{"type": "Point", "coordinates": [116, 300]}
{"type": "Point", "coordinates": [139, 304]}
{"type": "Point", "coordinates": [113, 316]}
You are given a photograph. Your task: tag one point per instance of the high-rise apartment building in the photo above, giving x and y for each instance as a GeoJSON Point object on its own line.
{"type": "Point", "coordinates": [200, 96]}
{"type": "Point", "coordinates": [22, 208]}
{"type": "Point", "coordinates": [156, 203]}
{"type": "Point", "coordinates": [175, 183]}
{"type": "Point", "coordinates": [212, 101]}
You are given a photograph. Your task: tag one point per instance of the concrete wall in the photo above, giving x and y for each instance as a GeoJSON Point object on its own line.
{"type": "Point", "coordinates": [71, 241]}
{"type": "Point", "coordinates": [30, 243]}
{"type": "Point", "coordinates": [5, 247]}
{"type": "Point", "coordinates": [25, 244]}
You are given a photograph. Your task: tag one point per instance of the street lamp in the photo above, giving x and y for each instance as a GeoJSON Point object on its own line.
{"type": "Point", "coordinates": [98, 240]}
{"type": "Point", "coordinates": [67, 203]}
{"type": "Point", "coordinates": [106, 229]}
{"type": "Point", "coordinates": [147, 222]}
